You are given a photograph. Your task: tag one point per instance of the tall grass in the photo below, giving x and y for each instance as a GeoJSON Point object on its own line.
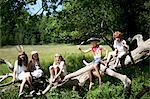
{"type": "Point", "coordinates": [111, 88]}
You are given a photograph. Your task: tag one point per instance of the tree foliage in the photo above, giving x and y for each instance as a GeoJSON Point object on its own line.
{"type": "Point", "coordinates": [77, 20]}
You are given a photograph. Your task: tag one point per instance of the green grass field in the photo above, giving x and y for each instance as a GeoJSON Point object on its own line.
{"type": "Point", "coordinates": [110, 89]}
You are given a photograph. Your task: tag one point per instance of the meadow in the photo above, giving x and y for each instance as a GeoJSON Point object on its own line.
{"type": "Point", "coordinates": [110, 89]}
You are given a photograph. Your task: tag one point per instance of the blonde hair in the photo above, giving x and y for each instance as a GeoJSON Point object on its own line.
{"type": "Point", "coordinates": [60, 56]}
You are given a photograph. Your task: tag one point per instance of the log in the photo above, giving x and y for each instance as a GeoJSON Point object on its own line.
{"type": "Point", "coordinates": [3, 77]}
{"type": "Point", "coordinates": [9, 65]}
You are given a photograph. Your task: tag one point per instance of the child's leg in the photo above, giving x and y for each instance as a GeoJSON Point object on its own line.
{"type": "Point", "coordinates": [59, 78]}
{"type": "Point", "coordinates": [110, 55]}
{"type": "Point", "coordinates": [52, 72]}
{"type": "Point", "coordinates": [29, 79]}
{"type": "Point", "coordinates": [96, 67]}
{"type": "Point", "coordinates": [22, 85]}
{"type": "Point", "coordinates": [118, 58]}
{"type": "Point", "coordinates": [90, 78]}
{"type": "Point", "coordinates": [116, 62]}
{"type": "Point", "coordinates": [56, 70]}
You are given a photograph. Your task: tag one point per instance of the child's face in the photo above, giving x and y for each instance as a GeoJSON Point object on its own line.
{"type": "Point", "coordinates": [118, 39]}
{"type": "Point", "coordinates": [22, 56]}
{"type": "Point", "coordinates": [57, 59]}
{"type": "Point", "coordinates": [94, 43]}
{"type": "Point", "coordinates": [35, 56]}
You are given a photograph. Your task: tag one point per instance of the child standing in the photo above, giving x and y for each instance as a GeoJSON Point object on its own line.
{"type": "Point", "coordinates": [97, 53]}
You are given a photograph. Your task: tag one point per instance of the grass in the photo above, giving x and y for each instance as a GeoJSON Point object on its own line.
{"type": "Point", "coordinates": [110, 89]}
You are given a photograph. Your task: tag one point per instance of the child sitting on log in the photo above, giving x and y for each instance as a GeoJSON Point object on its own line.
{"type": "Point", "coordinates": [58, 69]}
{"type": "Point", "coordinates": [34, 65]}
{"type": "Point", "coordinates": [20, 71]}
{"type": "Point", "coordinates": [120, 49]}
{"type": "Point", "coordinates": [97, 53]}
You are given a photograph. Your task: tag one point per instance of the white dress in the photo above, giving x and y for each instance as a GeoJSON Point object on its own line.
{"type": "Point", "coordinates": [20, 71]}
{"type": "Point", "coordinates": [36, 72]}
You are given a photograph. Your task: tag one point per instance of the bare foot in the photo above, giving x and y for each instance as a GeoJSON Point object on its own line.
{"type": "Point", "coordinates": [50, 81]}
{"type": "Point", "coordinates": [20, 94]}
{"type": "Point", "coordinates": [91, 84]}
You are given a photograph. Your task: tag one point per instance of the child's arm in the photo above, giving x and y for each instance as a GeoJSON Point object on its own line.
{"type": "Point", "coordinates": [60, 71]}
{"type": "Point", "coordinates": [84, 51]}
{"type": "Point", "coordinates": [29, 66]}
{"type": "Point", "coordinates": [115, 46]}
{"type": "Point", "coordinates": [14, 71]}
{"type": "Point", "coordinates": [56, 76]}
{"type": "Point", "coordinates": [124, 44]}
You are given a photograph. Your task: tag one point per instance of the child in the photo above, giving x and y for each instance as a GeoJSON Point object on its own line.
{"type": "Point", "coordinates": [34, 65]}
{"type": "Point", "coordinates": [120, 49]}
{"type": "Point", "coordinates": [20, 71]}
{"type": "Point", "coordinates": [58, 69]}
{"type": "Point", "coordinates": [97, 53]}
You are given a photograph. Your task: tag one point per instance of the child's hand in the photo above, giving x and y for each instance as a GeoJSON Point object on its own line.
{"type": "Point", "coordinates": [54, 80]}
{"type": "Point", "coordinates": [80, 45]}
{"type": "Point", "coordinates": [105, 57]}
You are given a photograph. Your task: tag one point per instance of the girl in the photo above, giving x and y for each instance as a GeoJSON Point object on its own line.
{"type": "Point", "coordinates": [34, 65]}
{"type": "Point", "coordinates": [120, 49]}
{"type": "Point", "coordinates": [20, 71]}
{"type": "Point", "coordinates": [58, 69]}
{"type": "Point", "coordinates": [97, 53]}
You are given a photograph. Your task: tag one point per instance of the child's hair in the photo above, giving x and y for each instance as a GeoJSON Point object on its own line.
{"type": "Point", "coordinates": [117, 34]}
{"type": "Point", "coordinates": [33, 62]}
{"type": "Point", "coordinates": [62, 59]}
{"type": "Point", "coordinates": [59, 55]}
{"type": "Point", "coordinates": [25, 61]}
